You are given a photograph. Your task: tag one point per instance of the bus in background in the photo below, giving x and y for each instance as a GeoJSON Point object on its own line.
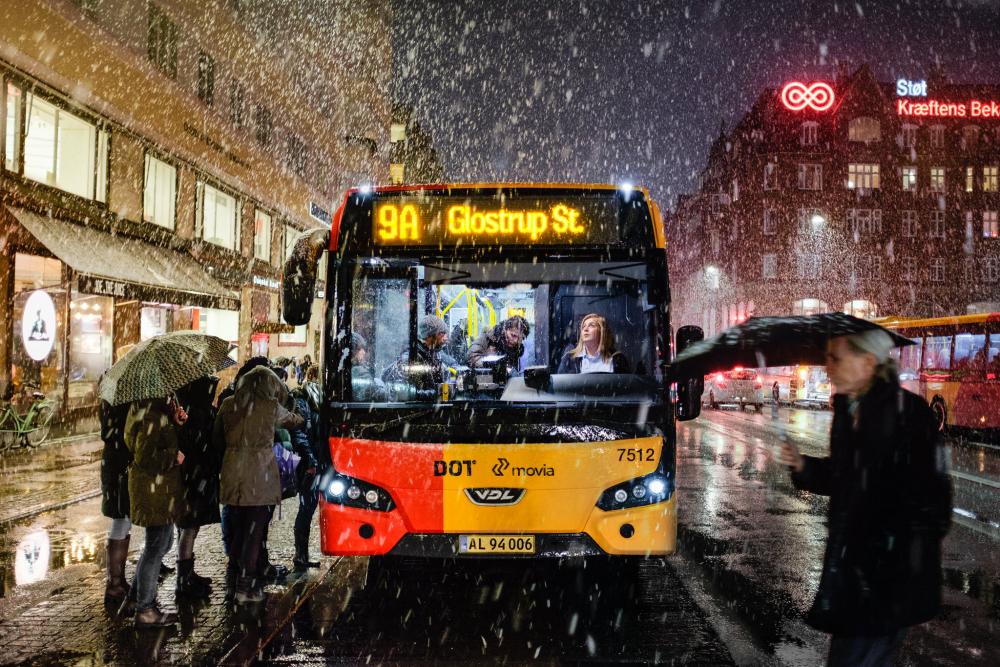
{"type": "Point", "coordinates": [954, 365]}
{"type": "Point", "coordinates": [516, 453]}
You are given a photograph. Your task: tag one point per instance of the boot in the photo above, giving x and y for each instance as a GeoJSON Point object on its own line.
{"type": "Point", "coordinates": [154, 618]}
{"type": "Point", "coordinates": [248, 590]}
{"type": "Point", "coordinates": [188, 583]}
{"type": "Point", "coordinates": [116, 589]}
{"type": "Point", "coordinates": [128, 604]}
{"type": "Point", "coordinates": [269, 570]}
{"type": "Point", "coordinates": [301, 562]}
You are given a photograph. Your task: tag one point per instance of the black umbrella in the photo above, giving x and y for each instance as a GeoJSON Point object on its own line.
{"type": "Point", "coordinates": [772, 341]}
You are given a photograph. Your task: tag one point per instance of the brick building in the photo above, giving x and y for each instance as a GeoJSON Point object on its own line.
{"type": "Point", "coordinates": [881, 199]}
{"type": "Point", "coordinates": [160, 158]}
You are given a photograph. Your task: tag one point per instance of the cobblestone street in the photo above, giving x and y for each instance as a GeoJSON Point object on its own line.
{"type": "Point", "coordinates": [52, 577]}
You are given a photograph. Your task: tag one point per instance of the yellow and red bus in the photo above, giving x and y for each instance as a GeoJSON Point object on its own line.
{"type": "Point", "coordinates": [955, 366]}
{"type": "Point", "coordinates": [510, 457]}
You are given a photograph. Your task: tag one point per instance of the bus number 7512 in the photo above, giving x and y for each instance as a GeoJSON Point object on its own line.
{"type": "Point", "coordinates": [636, 454]}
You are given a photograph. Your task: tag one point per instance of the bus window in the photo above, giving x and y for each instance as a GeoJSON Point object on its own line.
{"type": "Point", "coordinates": [993, 354]}
{"type": "Point", "coordinates": [908, 359]}
{"type": "Point", "coordinates": [970, 351]}
{"type": "Point", "coordinates": [938, 354]}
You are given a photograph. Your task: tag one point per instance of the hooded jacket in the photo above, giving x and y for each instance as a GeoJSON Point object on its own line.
{"type": "Point", "coordinates": [154, 478]}
{"type": "Point", "coordinates": [493, 341]}
{"type": "Point", "coordinates": [244, 429]}
{"type": "Point", "coordinates": [890, 507]}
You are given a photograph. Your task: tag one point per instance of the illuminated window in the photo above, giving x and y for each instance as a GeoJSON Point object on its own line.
{"type": "Point", "coordinates": [807, 266]}
{"type": "Point", "coordinates": [937, 228]}
{"type": "Point", "coordinates": [770, 176]}
{"type": "Point", "coordinates": [863, 176]}
{"type": "Point", "coordinates": [809, 307]}
{"type": "Point", "coordinates": [769, 270]}
{"type": "Point", "coordinates": [991, 269]}
{"type": "Point", "coordinates": [810, 177]}
{"type": "Point", "coordinates": [12, 128]}
{"type": "Point", "coordinates": [159, 196]}
{"type": "Point", "coordinates": [970, 179]}
{"type": "Point", "coordinates": [861, 308]}
{"type": "Point", "coordinates": [291, 236]}
{"type": "Point", "coordinates": [909, 269]}
{"type": "Point", "coordinates": [937, 269]}
{"type": "Point", "coordinates": [865, 220]}
{"type": "Point", "coordinates": [770, 221]}
{"type": "Point", "coordinates": [63, 150]}
{"type": "Point", "coordinates": [909, 224]}
{"type": "Point", "coordinates": [937, 179]}
{"type": "Point", "coordinates": [909, 136]}
{"type": "Point", "coordinates": [909, 177]}
{"type": "Point", "coordinates": [990, 179]}
{"type": "Point", "coordinates": [217, 216]}
{"type": "Point", "coordinates": [937, 136]}
{"type": "Point", "coordinates": [810, 132]}
{"type": "Point", "coordinates": [397, 132]}
{"type": "Point", "coordinates": [262, 235]}
{"type": "Point", "coordinates": [864, 129]}
{"type": "Point", "coordinates": [990, 229]}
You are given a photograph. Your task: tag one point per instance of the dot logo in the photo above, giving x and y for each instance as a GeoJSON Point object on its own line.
{"type": "Point", "coordinates": [798, 96]}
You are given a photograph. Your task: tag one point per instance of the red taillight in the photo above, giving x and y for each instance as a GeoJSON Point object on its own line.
{"type": "Point", "coordinates": [991, 376]}
{"type": "Point", "coordinates": [720, 378]}
{"type": "Point", "coordinates": [758, 383]}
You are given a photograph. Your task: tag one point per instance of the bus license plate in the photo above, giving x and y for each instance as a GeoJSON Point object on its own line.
{"type": "Point", "coordinates": [496, 544]}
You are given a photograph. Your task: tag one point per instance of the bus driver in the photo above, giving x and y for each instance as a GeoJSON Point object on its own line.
{"type": "Point", "coordinates": [595, 351]}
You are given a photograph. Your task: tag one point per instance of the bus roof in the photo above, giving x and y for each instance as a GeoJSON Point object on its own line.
{"type": "Point", "coordinates": [924, 322]}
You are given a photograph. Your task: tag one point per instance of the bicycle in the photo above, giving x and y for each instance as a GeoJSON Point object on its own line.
{"type": "Point", "coordinates": [25, 420]}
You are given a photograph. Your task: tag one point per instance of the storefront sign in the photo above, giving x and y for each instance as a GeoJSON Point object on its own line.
{"type": "Point", "coordinates": [320, 213]}
{"type": "Point", "coordinates": [38, 325]}
{"type": "Point", "coordinates": [939, 109]}
{"type": "Point", "coordinates": [265, 281]}
{"type": "Point", "coordinates": [126, 290]}
{"type": "Point", "coordinates": [798, 96]}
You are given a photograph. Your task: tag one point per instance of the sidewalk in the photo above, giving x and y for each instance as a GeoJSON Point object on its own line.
{"type": "Point", "coordinates": [52, 577]}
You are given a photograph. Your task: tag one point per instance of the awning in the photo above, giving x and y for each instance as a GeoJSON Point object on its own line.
{"type": "Point", "coordinates": [126, 267]}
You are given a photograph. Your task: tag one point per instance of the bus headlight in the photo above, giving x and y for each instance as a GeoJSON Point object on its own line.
{"type": "Point", "coordinates": [351, 492]}
{"type": "Point", "coordinates": [647, 490]}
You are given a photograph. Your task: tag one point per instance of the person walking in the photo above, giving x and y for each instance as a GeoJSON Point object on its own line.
{"type": "Point", "coordinates": [775, 399]}
{"type": "Point", "coordinates": [154, 485]}
{"type": "Point", "coordinates": [199, 481]}
{"type": "Point", "coordinates": [890, 505]}
{"type": "Point", "coordinates": [250, 486]}
{"type": "Point", "coordinates": [314, 462]}
{"type": "Point", "coordinates": [115, 460]}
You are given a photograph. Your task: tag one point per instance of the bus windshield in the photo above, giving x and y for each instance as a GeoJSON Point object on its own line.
{"type": "Point", "coordinates": [538, 330]}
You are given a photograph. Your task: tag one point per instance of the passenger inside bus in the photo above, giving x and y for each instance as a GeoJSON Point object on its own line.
{"type": "Point", "coordinates": [364, 384]}
{"type": "Point", "coordinates": [426, 372]}
{"type": "Point", "coordinates": [595, 350]}
{"type": "Point", "coordinates": [505, 340]}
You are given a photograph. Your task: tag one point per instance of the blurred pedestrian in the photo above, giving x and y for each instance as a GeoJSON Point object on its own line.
{"type": "Point", "coordinates": [200, 481]}
{"type": "Point", "coordinates": [890, 505]}
{"type": "Point", "coordinates": [115, 460]}
{"type": "Point", "coordinates": [154, 485]}
{"type": "Point", "coordinates": [312, 388]}
{"type": "Point", "coordinates": [250, 485]}
{"type": "Point", "coordinates": [775, 399]}
{"type": "Point", "coordinates": [301, 368]}
{"type": "Point", "coordinates": [315, 460]}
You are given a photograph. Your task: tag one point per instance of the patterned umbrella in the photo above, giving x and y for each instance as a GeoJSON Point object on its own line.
{"type": "Point", "coordinates": [163, 364]}
{"type": "Point", "coordinates": [772, 341]}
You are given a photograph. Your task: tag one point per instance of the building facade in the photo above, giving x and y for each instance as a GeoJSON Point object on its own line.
{"type": "Point", "coordinates": [854, 195]}
{"type": "Point", "coordinates": [160, 159]}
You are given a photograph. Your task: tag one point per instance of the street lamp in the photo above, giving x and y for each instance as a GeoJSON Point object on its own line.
{"type": "Point", "coordinates": [712, 275]}
{"type": "Point", "coordinates": [817, 220]}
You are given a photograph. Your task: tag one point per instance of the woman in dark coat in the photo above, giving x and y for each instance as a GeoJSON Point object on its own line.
{"type": "Point", "coordinates": [115, 460]}
{"type": "Point", "coordinates": [199, 480]}
{"type": "Point", "coordinates": [595, 350]}
{"type": "Point", "coordinates": [890, 506]}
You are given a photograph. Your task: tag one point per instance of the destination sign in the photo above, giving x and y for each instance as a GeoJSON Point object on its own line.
{"type": "Point", "coordinates": [436, 219]}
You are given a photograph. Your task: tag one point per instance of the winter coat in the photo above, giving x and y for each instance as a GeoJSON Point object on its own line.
{"type": "Point", "coordinates": [115, 460]}
{"type": "Point", "coordinates": [423, 356]}
{"type": "Point", "coordinates": [890, 507]}
{"type": "Point", "coordinates": [492, 341]}
{"type": "Point", "coordinates": [154, 478]}
{"type": "Point", "coordinates": [200, 470]}
{"type": "Point", "coordinates": [571, 363]}
{"type": "Point", "coordinates": [244, 430]}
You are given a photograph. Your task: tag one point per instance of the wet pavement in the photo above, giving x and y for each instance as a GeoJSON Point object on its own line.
{"type": "Point", "coordinates": [759, 542]}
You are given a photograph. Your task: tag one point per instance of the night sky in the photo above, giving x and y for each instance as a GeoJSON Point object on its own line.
{"type": "Point", "coordinates": [606, 91]}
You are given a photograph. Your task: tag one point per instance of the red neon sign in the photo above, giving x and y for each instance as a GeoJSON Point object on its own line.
{"type": "Point", "coordinates": [797, 96]}
{"type": "Point", "coordinates": [938, 109]}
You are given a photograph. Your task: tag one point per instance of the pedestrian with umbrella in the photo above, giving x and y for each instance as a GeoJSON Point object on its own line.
{"type": "Point", "coordinates": [890, 495]}
{"type": "Point", "coordinates": [146, 378]}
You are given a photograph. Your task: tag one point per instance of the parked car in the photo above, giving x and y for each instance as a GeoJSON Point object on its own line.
{"type": "Point", "coordinates": [739, 386]}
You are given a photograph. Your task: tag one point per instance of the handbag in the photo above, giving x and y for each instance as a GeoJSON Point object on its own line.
{"type": "Point", "coordinates": [288, 461]}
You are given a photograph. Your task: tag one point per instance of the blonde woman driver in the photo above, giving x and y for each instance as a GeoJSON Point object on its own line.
{"type": "Point", "coordinates": [595, 351]}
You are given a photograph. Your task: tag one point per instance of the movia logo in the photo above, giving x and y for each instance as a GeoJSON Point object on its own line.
{"type": "Point", "coordinates": [502, 465]}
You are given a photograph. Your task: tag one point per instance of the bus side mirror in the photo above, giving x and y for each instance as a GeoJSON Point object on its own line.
{"type": "Point", "coordinates": [298, 284]}
{"type": "Point", "coordinates": [689, 389]}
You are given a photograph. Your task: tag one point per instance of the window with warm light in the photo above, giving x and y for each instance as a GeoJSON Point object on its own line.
{"type": "Point", "coordinates": [990, 179]}
{"type": "Point", "coordinates": [262, 235]}
{"type": "Point", "coordinates": [909, 178]}
{"type": "Point", "coordinates": [862, 176]}
{"type": "Point", "coordinates": [937, 179]}
{"type": "Point", "coordinates": [990, 228]}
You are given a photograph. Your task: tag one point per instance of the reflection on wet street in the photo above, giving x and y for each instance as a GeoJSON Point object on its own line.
{"type": "Point", "coordinates": [761, 541]}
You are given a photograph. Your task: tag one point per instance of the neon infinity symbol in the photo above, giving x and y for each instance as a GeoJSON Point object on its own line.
{"type": "Point", "coordinates": [797, 96]}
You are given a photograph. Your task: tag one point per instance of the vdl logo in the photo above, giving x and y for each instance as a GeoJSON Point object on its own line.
{"type": "Point", "coordinates": [495, 496]}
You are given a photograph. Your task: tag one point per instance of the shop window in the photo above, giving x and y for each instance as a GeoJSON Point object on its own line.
{"type": "Point", "coordinates": [862, 308]}
{"type": "Point", "coordinates": [161, 45]}
{"type": "Point", "coordinates": [38, 316]}
{"type": "Point", "coordinates": [12, 127]}
{"type": "Point", "coordinates": [262, 236]}
{"type": "Point", "coordinates": [224, 324]}
{"type": "Point", "coordinates": [159, 197]}
{"type": "Point", "coordinates": [154, 321]}
{"type": "Point", "coordinates": [864, 129]}
{"type": "Point", "coordinates": [863, 176]}
{"type": "Point", "coordinates": [809, 307]}
{"type": "Point", "coordinates": [217, 216]}
{"type": "Point", "coordinates": [61, 150]}
{"type": "Point", "coordinates": [90, 346]}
